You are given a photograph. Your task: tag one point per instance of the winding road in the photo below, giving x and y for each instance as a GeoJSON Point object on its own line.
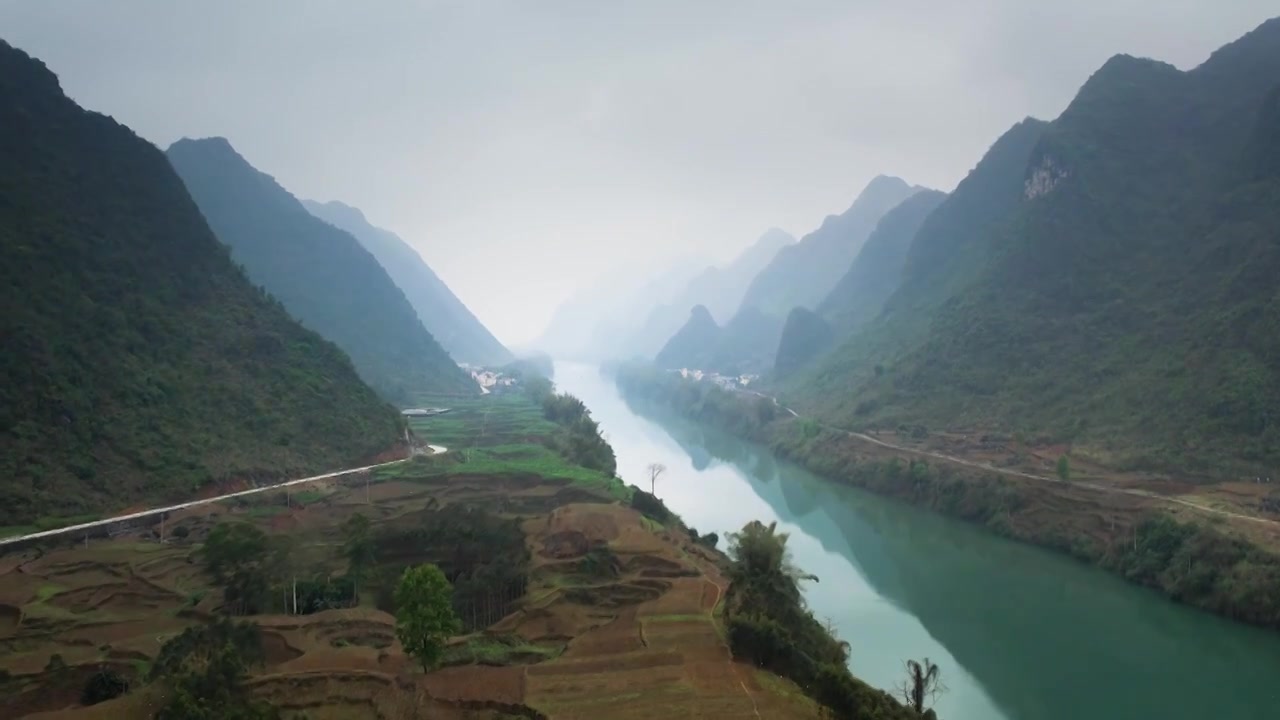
{"type": "Point", "coordinates": [83, 527]}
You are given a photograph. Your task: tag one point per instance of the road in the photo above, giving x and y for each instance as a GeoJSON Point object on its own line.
{"type": "Point", "coordinates": [1021, 474]}
{"type": "Point", "coordinates": [82, 527]}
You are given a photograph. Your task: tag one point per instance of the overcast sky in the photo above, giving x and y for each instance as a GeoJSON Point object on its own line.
{"type": "Point", "coordinates": [524, 146]}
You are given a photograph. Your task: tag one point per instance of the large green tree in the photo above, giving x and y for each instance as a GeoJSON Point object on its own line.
{"type": "Point", "coordinates": [424, 613]}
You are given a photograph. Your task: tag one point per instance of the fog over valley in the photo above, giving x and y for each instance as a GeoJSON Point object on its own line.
{"type": "Point", "coordinates": [507, 141]}
{"type": "Point", "coordinates": [570, 360]}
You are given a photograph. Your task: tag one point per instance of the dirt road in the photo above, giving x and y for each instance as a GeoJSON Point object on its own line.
{"type": "Point", "coordinates": [1020, 473]}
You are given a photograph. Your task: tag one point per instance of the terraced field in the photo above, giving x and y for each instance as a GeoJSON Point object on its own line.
{"type": "Point", "coordinates": [618, 618]}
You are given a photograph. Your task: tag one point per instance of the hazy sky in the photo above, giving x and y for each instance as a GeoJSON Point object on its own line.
{"type": "Point", "coordinates": [524, 146]}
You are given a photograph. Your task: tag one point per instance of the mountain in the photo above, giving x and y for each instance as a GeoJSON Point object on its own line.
{"type": "Point", "coordinates": [746, 344]}
{"type": "Point", "coordinates": [719, 289]}
{"type": "Point", "coordinates": [441, 312]}
{"type": "Point", "coordinates": [802, 274]}
{"type": "Point", "coordinates": [693, 344]}
{"type": "Point", "coordinates": [596, 322]}
{"type": "Point", "coordinates": [1109, 280]}
{"type": "Point", "coordinates": [320, 273]}
{"type": "Point", "coordinates": [805, 336]}
{"type": "Point", "coordinates": [139, 363]}
{"type": "Point", "coordinates": [860, 295]}
{"type": "Point", "coordinates": [722, 289]}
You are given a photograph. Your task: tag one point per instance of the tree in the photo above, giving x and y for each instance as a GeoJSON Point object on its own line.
{"type": "Point", "coordinates": [204, 669]}
{"type": "Point", "coordinates": [654, 470]}
{"type": "Point", "coordinates": [358, 547]}
{"type": "Point", "coordinates": [424, 613]}
{"type": "Point", "coordinates": [1064, 468]}
{"type": "Point", "coordinates": [923, 685]}
{"type": "Point", "coordinates": [761, 574]}
{"type": "Point", "coordinates": [104, 685]}
{"type": "Point", "coordinates": [238, 557]}
{"type": "Point", "coordinates": [212, 688]}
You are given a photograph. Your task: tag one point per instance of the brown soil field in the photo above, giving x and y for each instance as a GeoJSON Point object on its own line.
{"type": "Point", "coordinates": [637, 640]}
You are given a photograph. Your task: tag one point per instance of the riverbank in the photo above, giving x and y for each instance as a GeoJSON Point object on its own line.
{"type": "Point", "coordinates": [1198, 558]}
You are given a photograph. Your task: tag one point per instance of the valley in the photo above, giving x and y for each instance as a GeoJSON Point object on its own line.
{"type": "Point", "coordinates": [588, 435]}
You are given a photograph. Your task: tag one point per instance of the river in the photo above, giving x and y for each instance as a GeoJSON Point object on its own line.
{"type": "Point", "coordinates": [1019, 633]}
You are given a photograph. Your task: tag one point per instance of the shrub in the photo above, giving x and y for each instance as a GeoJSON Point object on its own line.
{"type": "Point", "coordinates": [104, 685]}
{"type": "Point", "coordinates": [650, 506]}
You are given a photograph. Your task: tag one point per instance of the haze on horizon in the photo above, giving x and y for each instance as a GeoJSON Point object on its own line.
{"type": "Point", "coordinates": [525, 149]}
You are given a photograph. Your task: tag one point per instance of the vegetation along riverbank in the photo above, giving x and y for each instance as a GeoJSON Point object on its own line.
{"type": "Point", "coordinates": [1188, 543]}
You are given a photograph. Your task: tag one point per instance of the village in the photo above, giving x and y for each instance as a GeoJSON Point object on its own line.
{"type": "Point", "coordinates": [727, 382]}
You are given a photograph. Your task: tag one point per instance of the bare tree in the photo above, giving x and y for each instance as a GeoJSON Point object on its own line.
{"type": "Point", "coordinates": [655, 469]}
{"type": "Point", "coordinates": [923, 685]}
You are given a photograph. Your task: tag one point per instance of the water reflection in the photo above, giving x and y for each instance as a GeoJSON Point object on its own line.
{"type": "Point", "coordinates": [1044, 637]}
{"type": "Point", "coordinates": [1022, 633]}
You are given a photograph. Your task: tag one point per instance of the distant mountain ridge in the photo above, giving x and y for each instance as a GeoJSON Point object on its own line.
{"type": "Point", "coordinates": [597, 322]}
{"type": "Point", "coordinates": [746, 344]}
{"type": "Point", "coordinates": [441, 312]}
{"type": "Point", "coordinates": [861, 293]}
{"type": "Point", "coordinates": [718, 289]}
{"type": "Point", "coordinates": [801, 275]}
{"type": "Point", "coordinates": [139, 363]}
{"type": "Point", "coordinates": [321, 274]}
{"type": "Point", "coordinates": [1101, 279]}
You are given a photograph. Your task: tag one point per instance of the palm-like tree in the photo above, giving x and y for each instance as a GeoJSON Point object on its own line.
{"type": "Point", "coordinates": [762, 575]}
{"type": "Point", "coordinates": [923, 683]}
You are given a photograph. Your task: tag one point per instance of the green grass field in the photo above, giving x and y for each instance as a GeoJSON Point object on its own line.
{"type": "Point", "coordinates": [496, 435]}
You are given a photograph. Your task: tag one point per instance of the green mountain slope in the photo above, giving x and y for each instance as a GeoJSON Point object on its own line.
{"type": "Point", "coordinates": [746, 344]}
{"type": "Point", "coordinates": [805, 336]}
{"type": "Point", "coordinates": [139, 363]}
{"type": "Point", "coordinates": [860, 295]}
{"type": "Point", "coordinates": [320, 273]}
{"type": "Point", "coordinates": [875, 273]}
{"type": "Point", "coordinates": [441, 312]}
{"type": "Point", "coordinates": [1124, 299]}
{"type": "Point", "coordinates": [801, 275]}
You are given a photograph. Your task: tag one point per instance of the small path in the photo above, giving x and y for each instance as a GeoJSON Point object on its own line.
{"type": "Point", "coordinates": [1019, 473]}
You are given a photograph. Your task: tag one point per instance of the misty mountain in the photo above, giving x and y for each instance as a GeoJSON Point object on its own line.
{"type": "Point", "coordinates": [746, 344]}
{"type": "Point", "coordinates": [596, 322]}
{"type": "Point", "coordinates": [802, 274]}
{"type": "Point", "coordinates": [719, 289]}
{"type": "Point", "coordinates": [693, 344]}
{"type": "Point", "coordinates": [860, 295]}
{"type": "Point", "coordinates": [321, 274]}
{"type": "Point", "coordinates": [1107, 279]}
{"type": "Point", "coordinates": [441, 312]}
{"type": "Point", "coordinates": [805, 336]}
{"type": "Point", "coordinates": [139, 363]}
